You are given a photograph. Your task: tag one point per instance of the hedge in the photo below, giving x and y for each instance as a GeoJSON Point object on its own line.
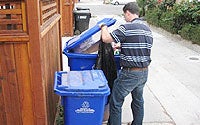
{"type": "Point", "coordinates": [178, 18]}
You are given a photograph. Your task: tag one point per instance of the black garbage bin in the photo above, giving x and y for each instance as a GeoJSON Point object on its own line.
{"type": "Point", "coordinates": [82, 8]}
{"type": "Point", "coordinates": [82, 18]}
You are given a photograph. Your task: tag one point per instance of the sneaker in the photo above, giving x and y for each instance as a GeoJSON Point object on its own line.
{"type": "Point", "coordinates": [105, 123]}
{"type": "Point", "coordinates": [129, 123]}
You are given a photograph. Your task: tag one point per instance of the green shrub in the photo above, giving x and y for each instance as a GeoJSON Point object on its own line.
{"type": "Point", "coordinates": [167, 22]}
{"type": "Point", "coordinates": [194, 33]}
{"type": "Point", "coordinates": [186, 13]}
{"type": "Point", "coordinates": [153, 16]}
{"type": "Point", "coordinates": [185, 31]}
{"type": "Point", "coordinates": [166, 4]}
{"type": "Point", "coordinates": [181, 18]}
{"type": "Point", "coordinates": [151, 4]}
{"type": "Point", "coordinates": [191, 32]}
{"type": "Point", "coordinates": [60, 116]}
{"type": "Point", "coordinates": [144, 4]}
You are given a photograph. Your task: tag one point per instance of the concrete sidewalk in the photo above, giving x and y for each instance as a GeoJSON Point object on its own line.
{"type": "Point", "coordinates": [155, 114]}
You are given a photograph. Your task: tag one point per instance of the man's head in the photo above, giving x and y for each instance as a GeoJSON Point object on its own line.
{"type": "Point", "coordinates": [131, 11]}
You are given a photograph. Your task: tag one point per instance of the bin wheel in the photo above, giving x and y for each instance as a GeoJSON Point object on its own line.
{"type": "Point", "coordinates": [116, 3]}
{"type": "Point", "coordinates": [77, 32]}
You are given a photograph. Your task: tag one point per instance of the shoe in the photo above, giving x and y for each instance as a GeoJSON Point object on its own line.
{"type": "Point", "coordinates": [105, 123]}
{"type": "Point", "coordinates": [129, 123]}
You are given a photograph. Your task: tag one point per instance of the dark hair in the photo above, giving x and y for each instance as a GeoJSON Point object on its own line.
{"type": "Point", "coordinates": [132, 7]}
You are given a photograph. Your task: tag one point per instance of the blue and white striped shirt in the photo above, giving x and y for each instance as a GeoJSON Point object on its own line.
{"type": "Point", "coordinates": [136, 41]}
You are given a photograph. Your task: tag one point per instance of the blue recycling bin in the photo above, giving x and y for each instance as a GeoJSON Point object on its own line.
{"type": "Point", "coordinates": [80, 61]}
{"type": "Point", "coordinates": [84, 95]}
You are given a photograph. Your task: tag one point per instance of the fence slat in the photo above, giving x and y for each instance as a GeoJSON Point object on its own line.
{"type": "Point", "coordinates": [46, 7]}
{"type": "Point", "coordinates": [10, 11]}
{"type": "Point", "coordinates": [47, 10]}
{"type": "Point", "coordinates": [10, 21]}
{"type": "Point", "coordinates": [49, 14]}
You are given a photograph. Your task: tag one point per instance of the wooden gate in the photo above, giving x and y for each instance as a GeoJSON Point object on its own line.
{"type": "Point", "coordinates": [30, 53]}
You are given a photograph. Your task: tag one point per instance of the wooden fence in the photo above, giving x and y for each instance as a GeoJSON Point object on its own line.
{"type": "Point", "coordinates": [30, 53]}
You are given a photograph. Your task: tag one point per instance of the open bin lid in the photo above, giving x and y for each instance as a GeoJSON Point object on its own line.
{"type": "Point", "coordinates": [75, 41]}
{"type": "Point", "coordinates": [76, 83]}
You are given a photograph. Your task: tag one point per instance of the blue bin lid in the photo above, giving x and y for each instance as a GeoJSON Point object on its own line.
{"type": "Point", "coordinates": [76, 83]}
{"type": "Point", "coordinates": [73, 42]}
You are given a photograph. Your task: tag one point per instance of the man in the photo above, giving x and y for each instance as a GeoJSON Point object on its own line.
{"type": "Point", "coordinates": [136, 42]}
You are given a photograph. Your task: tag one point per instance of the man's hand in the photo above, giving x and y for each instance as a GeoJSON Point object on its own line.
{"type": "Point", "coordinates": [101, 25]}
{"type": "Point", "coordinates": [116, 46]}
{"type": "Point", "coordinates": [105, 35]}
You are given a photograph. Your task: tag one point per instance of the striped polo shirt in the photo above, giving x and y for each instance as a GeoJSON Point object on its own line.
{"type": "Point", "coordinates": [136, 41]}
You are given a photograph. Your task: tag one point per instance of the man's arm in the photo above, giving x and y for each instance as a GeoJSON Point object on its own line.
{"type": "Point", "coordinates": [105, 35]}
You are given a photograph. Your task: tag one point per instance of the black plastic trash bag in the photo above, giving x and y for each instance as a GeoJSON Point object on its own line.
{"type": "Point", "coordinates": [106, 62]}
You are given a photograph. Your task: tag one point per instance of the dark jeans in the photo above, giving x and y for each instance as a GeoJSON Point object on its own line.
{"type": "Point", "coordinates": [128, 82]}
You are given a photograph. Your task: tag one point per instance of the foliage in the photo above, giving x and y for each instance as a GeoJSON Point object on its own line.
{"type": "Point", "coordinates": [186, 12]}
{"type": "Point", "coordinates": [181, 18]}
{"type": "Point", "coordinates": [167, 22]}
{"type": "Point", "coordinates": [195, 31]}
{"type": "Point", "coordinates": [144, 4]}
{"type": "Point", "coordinates": [151, 4]}
{"type": "Point", "coordinates": [166, 4]}
{"type": "Point", "coordinates": [191, 32]}
{"type": "Point", "coordinates": [153, 16]}
{"type": "Point", "coordinates": [184, 32]}
{"type": "Point", "coordinates": [60, 116]}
